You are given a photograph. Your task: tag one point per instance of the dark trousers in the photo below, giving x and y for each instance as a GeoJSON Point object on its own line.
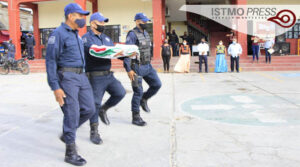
{"type": "Point", "coordinates": [148, 73]}
{"type": "Point", "coordinates": [79, 102]}
{"type": "Point", "coordinates": [191, 47]}
{"type": "Point", "coordinates": [30, 52]}
{"type": "Point", "coordinates": [174, 48]}
{"type": "Point", "coordinates": [255, 51]}
{"type": "Point", "coordinates": [268, 55]}
{"type": "Point", "coordinates": [166, 61]}
{"type": "Point", "coordinates": [100, 85]}
{"type": "Point", "coordinates": [201, 58]}
{"type": "Point", "coordinates": [236, 61]}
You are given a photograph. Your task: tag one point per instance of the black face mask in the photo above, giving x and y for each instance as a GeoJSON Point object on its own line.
{"type": "Point", "coordinates": [143, 26]}
{"type": "Point", "coordinates": [100, 28]}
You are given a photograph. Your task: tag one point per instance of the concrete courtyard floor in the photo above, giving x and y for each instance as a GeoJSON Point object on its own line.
{"type": "Point", "coordinates": [197, 120]}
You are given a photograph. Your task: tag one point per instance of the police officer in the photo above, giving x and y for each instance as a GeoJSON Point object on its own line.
{"type": "Point", "coordinates": [30, 43]}
{"type": "Point", "coordinates": [65, 63]}
{"type": "Point", "coordinates": [100, 76]}
{"type": "Point", "coordinates": [11, 50]}
{"type": "Point", "coordinates": [141, 68]}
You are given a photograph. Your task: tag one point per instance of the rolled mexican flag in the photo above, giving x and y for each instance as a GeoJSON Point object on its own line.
{"type": "Point", "coordinates": [111, 52]}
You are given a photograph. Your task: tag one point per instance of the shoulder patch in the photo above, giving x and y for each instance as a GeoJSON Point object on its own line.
{"type": "Point", "coordinates": [84, 40]}
{"type": "Point", "coordinates": [127, 39]}
{"type": "Point", "coordinates": [51, 40]}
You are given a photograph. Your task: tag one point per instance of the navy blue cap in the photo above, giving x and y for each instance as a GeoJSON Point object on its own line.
{"type": "Point", "coordinates": [98, 16]}
{"type": "Point", "coordinates": [75, 8]}
{"type": "Point", "coordinates": [141, 16]}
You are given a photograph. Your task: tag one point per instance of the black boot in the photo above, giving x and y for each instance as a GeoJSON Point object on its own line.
{"type": "Point", "coordinates": [137, 120]}
{"type": "Point", "coordinates": [144, 105]}
{"type": "Point", "coordinates": [94, 136]}
{"type": "Point", "coordinates": [103, 115]}
{"type": "Point", "coordinates": [62, 138]}
{"type": "Point", "coordinates": [72, 157]}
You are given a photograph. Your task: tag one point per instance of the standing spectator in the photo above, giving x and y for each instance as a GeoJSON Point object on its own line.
{"type": "Point", "coordinates": [203, 49]}
{"type": "Point", "coordinates": [190, 41]}
{"type": "Point", "coordinates": [184, 62]}
{"type": "Point", "coordinates": [184, 36]}
{"type": "Point", "coordinates": [23, 44]}
{"type": "Point", "coordinates": [30, 43]}
{"type": "Point", "coordinates": [221, 63]}
{"type": "Point", "coordinates": [269, 43]}
{"type": "Point", "coordinates": [231, 35]}
{"type": "Point", "coordinates": [255, 48]}
{"type": "Point", "coordinates": [173, 39]}
{"type": "Point", "coordinates": [235, 50]}
{"type": "Point", "coordinates": [166, 55]}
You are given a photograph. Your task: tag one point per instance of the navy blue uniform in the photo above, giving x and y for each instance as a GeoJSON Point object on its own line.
{"type": "Point", "coordinates": [102, 83]}
{"type": "Point", "coordinates": [146, 72]}
{"type": "Point", "coordinates": [11, 51]}
{"type": "Point", "coordinates": [30, 43]}
{"type": "Point", "coordinates": [65, 50]}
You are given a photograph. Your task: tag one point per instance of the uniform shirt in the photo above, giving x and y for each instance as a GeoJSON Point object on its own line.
{"type": "Point", "coordinates": [235, 49]}
{"type": "Point", "coordinates": [268, 44]}
{"type": "Point", "coordinates": [93, 63]}
{"type": "Point", "coordinates": [65, 49]}
{"type": "Point", "coordinates": [11, 50]}
{"type": "Point", "coordinates": [131, 39]}
{"type": "Point", "coordinates": [30, 41]}
{"type": "Point", "coordinates": [203, 47]}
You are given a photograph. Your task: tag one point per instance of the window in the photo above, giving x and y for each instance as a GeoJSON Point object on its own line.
{"type": "Point", "coordinates": [294, 32]}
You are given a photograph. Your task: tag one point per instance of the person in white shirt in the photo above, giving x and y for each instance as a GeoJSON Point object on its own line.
{"type": "Point", "coordinates": [269, 44]}
{"type": "Point", "coordinates": [203, 49]}
{"type": "Point", "coordinates": [235, 50]}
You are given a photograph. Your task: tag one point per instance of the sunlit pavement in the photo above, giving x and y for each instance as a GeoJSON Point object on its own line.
{"type": "Point", "coordinates": [197, 120]}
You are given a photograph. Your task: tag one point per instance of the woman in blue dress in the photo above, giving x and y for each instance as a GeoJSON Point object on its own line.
{"type": "Point", "coordinates": [221, 63]}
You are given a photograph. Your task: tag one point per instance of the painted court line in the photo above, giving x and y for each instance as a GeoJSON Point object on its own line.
{"type": "Point", "coordinates": [212, 107]}
{"type": "Point", "coordinates": [202, 77]}
{"type": "Point", "coordinates": [269, 76]}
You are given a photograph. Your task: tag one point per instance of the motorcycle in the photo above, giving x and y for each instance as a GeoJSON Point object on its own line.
{"type": "Point", "coordinates": [6, 65]}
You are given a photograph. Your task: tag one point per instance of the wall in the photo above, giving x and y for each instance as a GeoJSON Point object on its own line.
{"type": "Point", "coordinates": [293, 46]}
{"type": "Point", "coordinates": [180, 27]}
{"type": "Point", "coordinates": [25, 18]}
{"type": "Point", "coordinates": [51, 14]}
{"type": "Point", "coordinates": [122, 12]}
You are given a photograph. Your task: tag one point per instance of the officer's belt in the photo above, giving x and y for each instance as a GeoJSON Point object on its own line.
{"type": "Point", "coordinates": [78, 70]}
{"type": "Point", "coordinates": [98, 73]}
{"type": "Point", "coordinates": [134, 61]}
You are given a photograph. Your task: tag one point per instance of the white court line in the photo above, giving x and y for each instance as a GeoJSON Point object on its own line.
{"type": "Point", "coordinates": [267, 117]}
{"type": "Point", "coordinates": [242, 99]}
{"type": "Point", "coordinates": [212, 107]}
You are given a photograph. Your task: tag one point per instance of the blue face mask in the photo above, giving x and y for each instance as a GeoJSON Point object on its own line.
{"type": "Point", "coordinates": [80, 22]}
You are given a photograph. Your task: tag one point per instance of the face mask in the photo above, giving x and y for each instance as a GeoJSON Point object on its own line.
{"type": "Point", "coordinates": [166, 41]}
{"type": "Point", "coordinates": [234, 42]}
{"type": "Point", "coordinates": [80, 22]}
{"type": "Point", "coordinates": [184, 43]}
{"type": "Point", "coordinates": [142, 26]}
{"type": "Point", "coordinates": [220, 43]}
{"type": "Point", "coordinates": [100, 28]}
